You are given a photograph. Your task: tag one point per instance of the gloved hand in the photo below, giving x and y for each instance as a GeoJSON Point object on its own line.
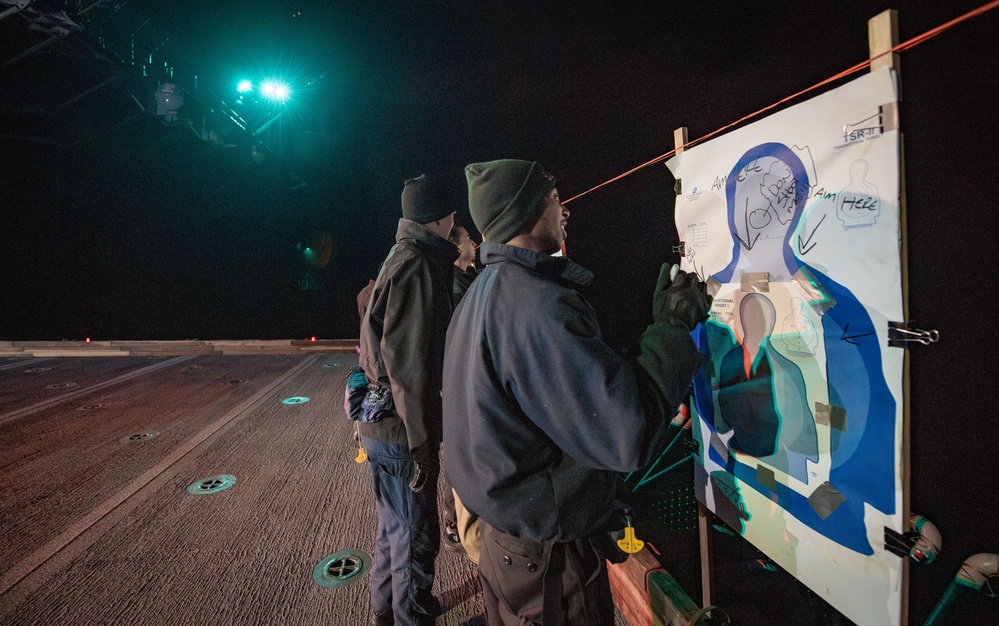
{"type": "Point", "coordinates": [419, 478]}
{"type": "Point", "coordinates": [680, 298]}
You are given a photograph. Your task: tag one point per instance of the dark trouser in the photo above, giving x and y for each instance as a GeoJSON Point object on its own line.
{"type": "Point", "coordinates": [554, 584]}
{"type": "Point", "coordinates": [450, 516]}
{"type": "Point", "coordinates": [408, 536]}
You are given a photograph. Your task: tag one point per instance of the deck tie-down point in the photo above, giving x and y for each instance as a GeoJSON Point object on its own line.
{"type": "Point", "coordinates": [341, 569]}
{"type": "Point", "coordinates": [212, 484]}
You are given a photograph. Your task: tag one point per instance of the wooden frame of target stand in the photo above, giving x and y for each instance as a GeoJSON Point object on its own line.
{"type": "Point", "coordinates": [630, 581]}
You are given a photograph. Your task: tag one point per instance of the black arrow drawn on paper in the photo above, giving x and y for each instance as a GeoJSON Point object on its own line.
{"type": "Point", "coordinates": [847, 337]}
{"type": "Point", "coordinates": [801, 245]}
{"type": "Point", "coordinates": [748, 245]}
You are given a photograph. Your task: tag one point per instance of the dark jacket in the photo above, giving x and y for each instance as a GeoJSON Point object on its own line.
{"type": "Point", "coordinates": [462, 281]}
{"type": "Point", "coordinates": [402, 337]}
{"type": "Point", "coordinates": [539, 412]}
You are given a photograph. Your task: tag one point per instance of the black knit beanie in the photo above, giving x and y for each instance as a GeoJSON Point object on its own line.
{"type": "Point", "coordinates": [422, 200]}
{"type": "Point", "coordinates": [503, 194]}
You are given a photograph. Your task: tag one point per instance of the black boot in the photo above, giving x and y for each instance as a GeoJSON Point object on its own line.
{"type": "Point", "coordinates": [452, 541]}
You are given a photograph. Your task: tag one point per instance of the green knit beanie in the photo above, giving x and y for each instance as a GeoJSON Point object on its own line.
{"type": "Point", "coordinates": [503, 194]}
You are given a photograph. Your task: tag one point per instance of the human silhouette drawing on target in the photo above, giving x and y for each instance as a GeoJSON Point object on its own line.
{"type": "Point", "coordinates": [766, 193]}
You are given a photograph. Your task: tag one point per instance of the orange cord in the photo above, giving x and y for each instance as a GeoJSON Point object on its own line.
{"type": "Point", "coordinates": [933, 32]}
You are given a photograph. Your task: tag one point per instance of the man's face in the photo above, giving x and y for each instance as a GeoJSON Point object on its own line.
{"type": "Point", "coordinates": [466, 247]}
{"type": "Point", "coordinates": [549, 232]}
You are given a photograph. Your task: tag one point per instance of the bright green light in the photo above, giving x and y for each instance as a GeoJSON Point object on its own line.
{"type": "Point", "coordinates": [276, 90]}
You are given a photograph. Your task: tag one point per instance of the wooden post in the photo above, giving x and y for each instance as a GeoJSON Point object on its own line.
{"type": "Point", "coordinates": [680, 140]}
{"type": "Point", "coordinates": [882, 35]}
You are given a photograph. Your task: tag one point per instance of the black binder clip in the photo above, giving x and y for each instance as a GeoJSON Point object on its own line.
{"type": "Point", "coordinates": [900, 335]}
{"type": "Point", "coordinates": [899, 544]}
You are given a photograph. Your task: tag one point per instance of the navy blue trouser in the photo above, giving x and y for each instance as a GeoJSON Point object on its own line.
{"type": "Point", "coordinates": [408, 536]}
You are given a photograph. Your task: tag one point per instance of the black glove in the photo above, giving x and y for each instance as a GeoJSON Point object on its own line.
{"type": "Point", "coordinates": [419, 478]}
{"type": "Point", "coordinates": [680, 298]}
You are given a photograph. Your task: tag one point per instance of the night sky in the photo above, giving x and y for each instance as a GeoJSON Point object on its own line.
{"type": "Point", "coordinates": [128, 227]}
{"type": "Point", "coordinates": [117, 225]}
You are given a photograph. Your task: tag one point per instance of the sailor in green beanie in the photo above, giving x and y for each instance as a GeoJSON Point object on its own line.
{"type": "Point", "coordinates": [540, 414]}
{"type": "Point", "coordinates": [503, 194]}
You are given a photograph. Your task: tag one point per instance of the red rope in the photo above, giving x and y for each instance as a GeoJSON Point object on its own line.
{"type": "Point", "coordinates": [918, 39]}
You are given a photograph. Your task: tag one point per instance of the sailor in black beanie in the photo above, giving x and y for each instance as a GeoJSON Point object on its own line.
{"type": "Point", "coordinates": [402, 352]}
{"type": "Point", "coordinates": [540, 414]}
{"type": "Point", "coordinates": [423, 202]}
